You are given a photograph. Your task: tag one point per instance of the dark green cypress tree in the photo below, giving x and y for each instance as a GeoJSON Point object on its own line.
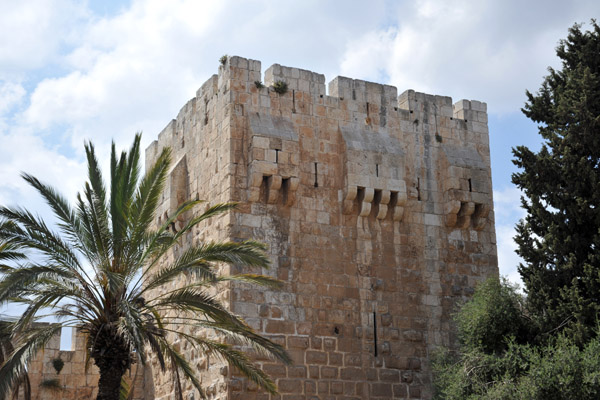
{"type": "Point", "coordinates": [559, 239]}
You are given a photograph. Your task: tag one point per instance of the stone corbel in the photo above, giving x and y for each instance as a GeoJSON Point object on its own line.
{"type": "Point", "coordinates": [367, 200]}
{"type": "Point", "coordinates": [293, 186]}
{"type": "Point", "coordinates": [351, 194]}
{"type": "Point", "coordinates": [451, 209]}
{"type": "Point", "coordinates": [383, 204]}
{"type": "Point", "coordinates": [464, 215]}
{"type": "Point", "coordinates": [480, 215]}
{"type": "Point", "coordinates": [401, 200]}
{"type": "Point", "coordinates": [273, 186]}
{"type": "Point", "coordinates": [254, 183]}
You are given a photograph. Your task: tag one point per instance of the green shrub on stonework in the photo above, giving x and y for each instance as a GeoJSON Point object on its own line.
{"type": "Point", "coordinates": [58, 364]}
{"type": "Point", "coordinates": [474, 374]}
{"type": "Point", "coordinates": [495, 313]}
{"type": "Point", "coordinates": [280, 87]}
{"type": "Point", "coordinates": [499, 358]}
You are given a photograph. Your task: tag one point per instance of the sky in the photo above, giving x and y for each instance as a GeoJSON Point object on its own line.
{"type": "Point", "coordinates": [72, 71]}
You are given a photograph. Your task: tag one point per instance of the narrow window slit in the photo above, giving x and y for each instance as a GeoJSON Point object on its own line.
{"type": "Point", "coordinates": [316, 176]}
{"type": "Point", "coordinates": [277, 155]}
{"type": "Point", "coordinates": [419, 189]}
{"type": "Point", "coordinates": [353, 94]}
{"type": "Point", "coordinates": [470, 185]}
{"type": "Point", "coordinates": [377, 170]}
{"type": "Point", "coordinates": [375, 333]}
{"type": "Point", "coordinates": [294, 101]}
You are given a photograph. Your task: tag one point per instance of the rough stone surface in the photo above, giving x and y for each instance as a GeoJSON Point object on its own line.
{"type": "Point", "coordinates": [378, 215]}
{"type": "Point", "coordinates": [377, 211]}
{"type": "Point", "coordinates": [73, 380]}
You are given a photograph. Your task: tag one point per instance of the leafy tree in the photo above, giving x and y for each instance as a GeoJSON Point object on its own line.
{"type": "Point", "coordinates": [494, 314]}
{"type": "Point", "coordinates": [100, 273]}
{"type": "Point", "coordinates": [508, 367]}
{"type": "Point", "coordinates": [489, 326]}
{"type": "Point", "coordinates": [559, 239]}
{"type": "Point", "coordinates": [544, 347]}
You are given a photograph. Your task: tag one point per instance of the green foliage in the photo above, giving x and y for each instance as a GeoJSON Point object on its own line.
{"type": "Point", "coordinates": [259, 85]}
{"type": "Point", "coordinates": [102, 272]}
{"type": "Point", "coordinates": [51, 384]}
{"type": "Point", "coordinates": [560, 236]}
{"type": "Point", "coordinates": [499, 368]}
{"type": "Point", "coordinates": [551, 351]}
{"type": "Point", "coordinates": [280, 87]}
{"type": "Point", "coordinates": [494, 314]}
{"type": "Point", "coordinates": [223, 59]}
{"type": "Point", "coordinates": [58, 364]}
{"type": "Point", "coordinates": [20, 381]}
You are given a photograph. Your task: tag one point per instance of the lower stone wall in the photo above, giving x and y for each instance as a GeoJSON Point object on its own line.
{"type": "Point", "coordinates": [73, 382]}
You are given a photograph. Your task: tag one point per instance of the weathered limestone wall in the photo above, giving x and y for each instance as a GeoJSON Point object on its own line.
{"type": "Point", "coordinates": [377, 210]}
{"type": "Point", "coordinates": [202, 168]}
{"type": "Point", "coordinates": [74, 382]}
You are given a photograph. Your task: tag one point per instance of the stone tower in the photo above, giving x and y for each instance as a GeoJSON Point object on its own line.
{"type": "Point", "coordinates": [377, 211]}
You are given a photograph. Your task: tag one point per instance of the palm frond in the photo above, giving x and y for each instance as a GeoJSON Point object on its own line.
{"type": "Point", "coordinates": [68, 221]}
{"type": "Point", "coordinates": [103, 262]}
{"type": "Point", "coordinates": [241, 361]}
{"type": "Point", "coordinates": [248, 253]}
{"type": "Point", "coordinates": [179, 363]}
{"type": "Point", "coordinates": [256, 279]}
{"type": "Point", "coordinates": [144, 205]}
{"type": "Point", "coordinates": [28, 345]}
{"type": "Point", "coordinates": [36, 235]}
{"type": "Point", "coordinates": [210, 212]}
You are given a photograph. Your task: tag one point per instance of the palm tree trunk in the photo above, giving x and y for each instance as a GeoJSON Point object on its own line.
{"type": "Point", "coordinates": [109, 385]}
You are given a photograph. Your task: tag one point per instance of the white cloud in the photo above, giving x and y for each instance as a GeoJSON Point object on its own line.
{"type": "Point", "coordinates": [508, 260]}
{"type": "Point", "coordinates": [133, 71]}
{"type": "Point", "coordinates": [32, 33]}
{"type": "Point", "coordinates": [112, 76]}
{"type": "Point", "coordinates": [490, 51]}
{"type": "Point", "coordinates": [23, 152]}
{"type": "Point", "coordinates": [11, 94]}
{"type": "Point", "coordinates": [508, 211]}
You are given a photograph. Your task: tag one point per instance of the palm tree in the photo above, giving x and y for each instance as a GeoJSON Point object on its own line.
{"type": "Point", "coordinates": [10, 252]}
{"type": "Point", "coordinates": [101, 272]}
